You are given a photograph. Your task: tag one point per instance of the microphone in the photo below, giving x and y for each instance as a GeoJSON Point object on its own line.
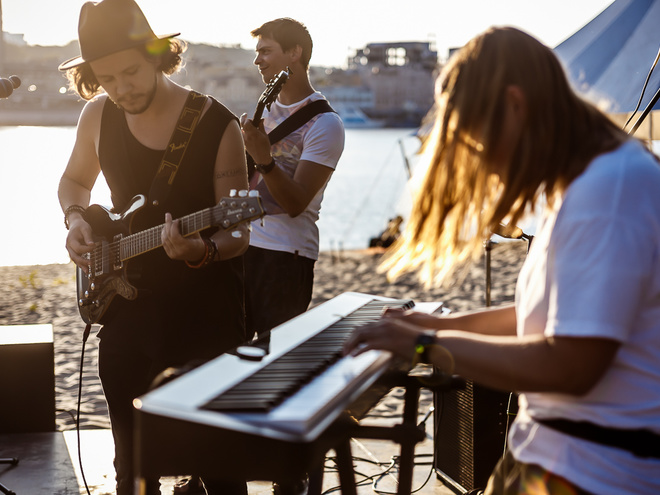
{"type": "Point", "coordinates": [508, 231]}
{"type": "Point", "coordinates": [511, 232]}
{"type": "Point", "coordinates": [8, 85]}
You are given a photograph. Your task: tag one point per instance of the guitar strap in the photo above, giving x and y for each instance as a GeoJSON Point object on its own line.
{"type": "Point", "coordinates": [176, 148]}
{"type": "Point", "coordinates": [293, 122]}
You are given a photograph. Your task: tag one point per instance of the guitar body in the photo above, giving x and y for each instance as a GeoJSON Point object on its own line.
{"type": "Point", "coordinates": [107, 274]}
{"type": "Point", "coordinates": [116, 244]}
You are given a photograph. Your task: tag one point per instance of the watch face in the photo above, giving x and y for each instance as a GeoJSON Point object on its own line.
{"type": "Point", "coordinates": [426, 339]}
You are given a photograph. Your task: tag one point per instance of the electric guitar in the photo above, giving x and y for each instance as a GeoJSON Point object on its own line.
{"type": "Point", "coordinates": [106, 274]}
{"type": "Point", "coordinates": [269, 95]}
{"type": "Point", "coordinates": [266, 99]}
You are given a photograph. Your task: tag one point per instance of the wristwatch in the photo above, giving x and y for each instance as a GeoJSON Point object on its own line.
{"type": "Point", "coordinates": [265, 169]}
{"type": "Point", "coordinates": [424, 340]}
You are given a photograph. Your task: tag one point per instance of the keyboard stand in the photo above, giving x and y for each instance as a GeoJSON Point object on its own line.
{"type": "Point", "coordinates": [407, 433]}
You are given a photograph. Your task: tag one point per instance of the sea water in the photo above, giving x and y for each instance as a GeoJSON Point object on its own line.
{"type": "Point", "coordinates": [368, 188]}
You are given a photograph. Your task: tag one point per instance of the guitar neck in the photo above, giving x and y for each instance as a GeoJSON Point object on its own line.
{"type": "Point", "coordinates": [258, 112]}
{"type": "Point", "coordinates": [150, 239]}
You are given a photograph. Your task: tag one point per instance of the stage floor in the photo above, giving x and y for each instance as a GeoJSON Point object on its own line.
{"type": "Point", "coordinates": [49, 464]}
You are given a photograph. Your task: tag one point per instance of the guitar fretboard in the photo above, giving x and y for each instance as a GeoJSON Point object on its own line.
{"type": "Point", "coordinates": [229, 212]}
{"type": "Point", "coordinates": [150, 239]}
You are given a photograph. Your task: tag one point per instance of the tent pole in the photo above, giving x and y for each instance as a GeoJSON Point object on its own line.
{"type": "Point", "coordinates": [646, 111]}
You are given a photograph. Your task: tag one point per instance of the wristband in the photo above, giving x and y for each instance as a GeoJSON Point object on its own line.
{"type": "Point", "coordinates": [210, 252]}
{"type": "Point", "coordinates": [71, 209]}
{"type": "Point", "coordinates": [265, 169]}
{"type": "Point", "coordinates": [201, 262]}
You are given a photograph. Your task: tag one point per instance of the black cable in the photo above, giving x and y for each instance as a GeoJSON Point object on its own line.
{"type": "Point", "coordinates": [66, 411]}
{"type": "Point", "coordinates": [391, 464]}
{"type": "Point", "coordinates": [648, 77]}
{"type": "Point", "coordinates": [88, 327]}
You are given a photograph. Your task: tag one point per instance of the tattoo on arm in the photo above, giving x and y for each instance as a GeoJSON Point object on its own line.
{"type": "Point", "coordinates": [230, 173]}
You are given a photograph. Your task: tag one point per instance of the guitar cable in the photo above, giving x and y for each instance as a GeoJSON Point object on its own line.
{"type": "Point", "coordinates": [86, 332]}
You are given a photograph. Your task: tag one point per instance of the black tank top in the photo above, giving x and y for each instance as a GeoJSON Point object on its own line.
{"type": "Point", "coordinates": [209, 296]}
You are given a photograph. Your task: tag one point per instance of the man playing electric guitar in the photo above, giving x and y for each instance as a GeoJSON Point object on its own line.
{"type": "Point", "coordinates": [292, 174]}
{"type": "Point", "coordinates": [189, 303]}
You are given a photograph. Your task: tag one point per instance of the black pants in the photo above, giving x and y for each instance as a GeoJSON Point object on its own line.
{"type": "Point", "coordinates": [137, 344]}
{"type": "Point", "coordinates": [278, 287]}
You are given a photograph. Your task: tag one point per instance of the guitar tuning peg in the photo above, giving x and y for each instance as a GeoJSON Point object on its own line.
{"type": "Point", "coordinates": [242, 193]}
{"type": "Point", "coordinates": [232, 193]}
{"type": "Point", "coordinates": [253, 193]}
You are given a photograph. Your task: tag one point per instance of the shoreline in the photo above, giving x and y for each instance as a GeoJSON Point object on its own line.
{"type": "Point", "coordinates": [46, 294]}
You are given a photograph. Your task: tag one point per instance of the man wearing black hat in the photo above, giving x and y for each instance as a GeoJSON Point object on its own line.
{"type": "Point", "coordinates": [189, 303]}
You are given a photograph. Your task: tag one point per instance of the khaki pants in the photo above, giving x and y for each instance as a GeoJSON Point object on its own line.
{"type": "Point", "coordinates": [511, 477]}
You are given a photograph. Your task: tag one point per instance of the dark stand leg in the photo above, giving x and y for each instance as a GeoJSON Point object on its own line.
{"type": "Point", "coordinates": [13, 461]}
{"type": "Point", "coordinates": [408, 433]}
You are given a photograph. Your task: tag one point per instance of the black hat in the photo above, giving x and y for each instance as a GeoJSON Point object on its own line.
{"type": "Point", "coordinates": [108, 27]}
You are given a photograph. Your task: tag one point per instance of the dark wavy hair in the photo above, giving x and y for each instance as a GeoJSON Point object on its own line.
{"type": "Point", "coordinates": [83, 81]}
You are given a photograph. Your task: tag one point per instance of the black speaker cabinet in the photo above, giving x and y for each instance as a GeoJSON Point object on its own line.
{"type": "Point", "coordinates": [470, 435]}
{"type": "Point", "coordinates": [27, 379]}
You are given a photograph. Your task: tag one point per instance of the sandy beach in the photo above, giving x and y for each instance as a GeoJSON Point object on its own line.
{"type": "Point", "coordinates": [46, 294]}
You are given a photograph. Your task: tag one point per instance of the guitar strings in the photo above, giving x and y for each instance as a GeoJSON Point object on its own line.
{"type": "Point", "coordinates": [132, 245]}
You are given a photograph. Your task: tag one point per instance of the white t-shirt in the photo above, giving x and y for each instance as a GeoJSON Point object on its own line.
{"type": "Point", "coordinates": [593, 270]}
{"type": "Point", "coordinates": [321, 140]}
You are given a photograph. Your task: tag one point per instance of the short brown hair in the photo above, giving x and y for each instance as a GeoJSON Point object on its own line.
{"type": "Point", "coordinates": [83, 81]}
{"type": "Point", "coordinates": [288, 33]}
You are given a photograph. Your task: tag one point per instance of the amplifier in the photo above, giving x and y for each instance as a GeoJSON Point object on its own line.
{"type": "Point", "coordinates": [470, 434]}
{"type": "Point", "coordinates": [27, 379]}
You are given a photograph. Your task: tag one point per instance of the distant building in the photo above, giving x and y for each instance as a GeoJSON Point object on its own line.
{"type": "Point", "coordinates": [401, 77]}
{"type": "Point", "coordinates": [385, 83]}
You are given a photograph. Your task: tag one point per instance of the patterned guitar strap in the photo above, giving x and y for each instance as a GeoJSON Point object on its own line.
{"type": "Point", "coordinates": [176, 149]}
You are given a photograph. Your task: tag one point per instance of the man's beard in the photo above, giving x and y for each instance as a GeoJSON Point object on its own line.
{"type": "Point", "coordinates": [149, 95]}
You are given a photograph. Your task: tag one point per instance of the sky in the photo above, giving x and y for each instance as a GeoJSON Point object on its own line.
{"type": "Point", "coordinates": [338, 27]}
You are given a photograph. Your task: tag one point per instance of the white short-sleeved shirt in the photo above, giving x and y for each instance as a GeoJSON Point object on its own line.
{"type": "Point", "coordinates": [321, 140]}
{"type": "Point", "coordinates": [593, 270]}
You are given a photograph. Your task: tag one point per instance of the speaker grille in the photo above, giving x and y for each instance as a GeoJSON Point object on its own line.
{"type": "Point", "coordinates": [471, 427]}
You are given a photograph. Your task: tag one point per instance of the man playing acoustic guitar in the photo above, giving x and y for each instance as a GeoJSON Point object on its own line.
{"type": "Point", "coordinates": [189, 303]}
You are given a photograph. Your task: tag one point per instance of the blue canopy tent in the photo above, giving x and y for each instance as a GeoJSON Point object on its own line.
{"type": "Point", "coordinates": [609, 59]}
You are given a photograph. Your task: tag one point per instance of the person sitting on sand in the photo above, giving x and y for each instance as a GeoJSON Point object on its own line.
{"type": "Point", "coordinates": [388, 236]}
{"type": "Point", "coordinates": [581, 341]}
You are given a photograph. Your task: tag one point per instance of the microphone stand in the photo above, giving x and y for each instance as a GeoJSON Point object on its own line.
{"type": "Point", "coordinates": [507, 233]}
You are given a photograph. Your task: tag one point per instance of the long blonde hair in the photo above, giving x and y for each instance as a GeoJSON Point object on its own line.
{"type": "Point", "coordinates": [462, 199]}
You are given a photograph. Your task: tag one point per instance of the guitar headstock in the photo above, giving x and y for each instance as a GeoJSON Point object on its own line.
{"type": "Point", "coordinates": [239, 207]}
{"type": "Point", "coordinates": [269, 95]}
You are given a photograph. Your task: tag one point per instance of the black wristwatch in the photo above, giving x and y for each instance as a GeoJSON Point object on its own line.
{"type": "Point", "coordinates": [265, 169]}
{"type": "Point", "coordinates": [425, 340]}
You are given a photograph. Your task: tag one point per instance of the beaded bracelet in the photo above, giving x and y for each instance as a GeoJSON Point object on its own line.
{"type": "Point", "coordinates": [211, 250]}
{"type": "Point", "coordinates": [71, 209]}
